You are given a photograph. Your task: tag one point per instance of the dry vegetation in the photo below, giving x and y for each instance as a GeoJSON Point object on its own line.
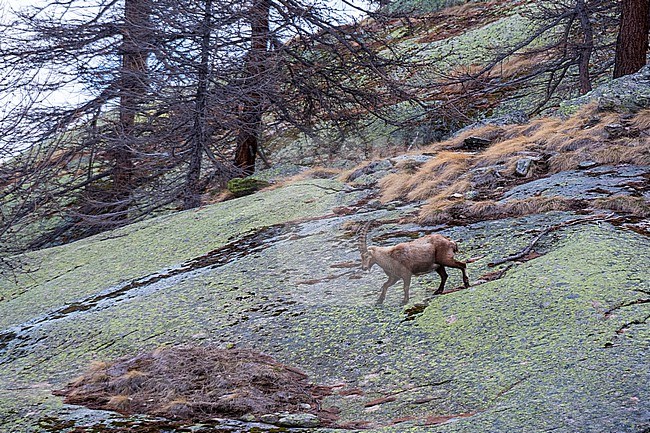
{"type": "Point", "coordinates": [555, 144]}
{"type": "Point", "coordinates": [195, 383]}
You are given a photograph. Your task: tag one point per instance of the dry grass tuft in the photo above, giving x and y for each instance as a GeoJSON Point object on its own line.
{"type": "Point", "coordinates": [636, 206]}
{"type": "Point", "coordinates": [437, 212]}
{"type": "Point", "coordinates": [395, 186]}
{"type": "Point", "coordinates": [128, 382]}
{"type": "Point", "coordinates": [493, 133]}
{"type": "Point", "coordinates": [482, 210]}
{"type": "Point", "coordinates": [555, 144]}
{"type": "Point", "coordinates": [641, 121]}
{"type": "Point", "coordinates": [633, 152]}
{"type": "Point", "coordinates": [178, 409]}
{"type": "Point", "coordinates": [504, 153]}
{"type": "Point", "coordinates": [535, 205]}
{"type": "Point", "coordinates": [440, 212]}
{"type": "Point", "coordinates": [429, 180]}
{"type": "Point", "coordinates": [195, 383]}
{"type": "Point", "coordinates": [119, 403]}
{"type": "Point", "coordinates": [96, 373]}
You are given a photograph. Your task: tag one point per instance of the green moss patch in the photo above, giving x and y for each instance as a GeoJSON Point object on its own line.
{"type": "Point", "coordinates": [240, 187]}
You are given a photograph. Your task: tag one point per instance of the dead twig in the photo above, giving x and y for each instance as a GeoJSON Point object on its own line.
{"type": "Point", "coordinates": [529, 248]}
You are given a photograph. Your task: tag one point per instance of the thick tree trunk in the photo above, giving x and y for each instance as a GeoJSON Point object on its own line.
{"type": "Point", "coordinates": [247, 139]}
{"type": "Point", "coordinates": [132, 86]}
{"type": "Point", "coordinates": [632, 41]}
{"type": "Point", "coordinates": [250, 117]}
{"type": "Point", "coordinates": [192, 197]}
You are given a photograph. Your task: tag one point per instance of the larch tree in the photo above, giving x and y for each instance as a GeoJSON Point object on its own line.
{"type": "Point", "coordinates": [170, 97]}
{"type": "Point", "coordinates": [252, 87]}
{"type": "Point", "coordinates": [632, 41]}
{"type": "Point", "coordinates": [81, 70]}
{"type": "Point", "coordinates": [133, 82]}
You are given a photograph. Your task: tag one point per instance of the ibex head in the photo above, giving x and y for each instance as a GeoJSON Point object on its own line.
{"type": "Point", "coordinates": [367, 259]}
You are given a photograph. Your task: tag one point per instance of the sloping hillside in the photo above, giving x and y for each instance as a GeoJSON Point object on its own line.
{"type": "Point", "coordinates": [553, 340]}
{"type": "Point", "coordinates": [265, 293]}
{"type": "Point", "coordinates": [476, 62]}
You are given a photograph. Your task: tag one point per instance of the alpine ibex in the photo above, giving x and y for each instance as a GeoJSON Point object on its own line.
{"type": "Point", "coordinates": [402, 261]}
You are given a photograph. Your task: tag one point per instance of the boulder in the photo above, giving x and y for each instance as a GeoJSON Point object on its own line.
{"type": "Point", "coordinates": [629, 93]}
{"type": "Point", "coordinates": [240, 187]}
{"type": "Point", "coordinates": [522, 167]}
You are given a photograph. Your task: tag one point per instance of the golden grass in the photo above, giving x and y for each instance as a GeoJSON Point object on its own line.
{"type": "Point", "coordinates": [395, 186]}
{"type": "Point", "coordinates": [129, 382]}
{"type": "Point", "coordinates": [484, 209]}
{"type": "Point", "coordinates": [519, 64]}
{"type": "Point", "coordinates": [637, 206]}
{"type": "Point", "coordinates": [488, 132]}
{"type": "Point", "coordinates": [96, 372]}
{"type": "Point", "coordinates": [642, 120]}
{"type": "Point", "coordinates": [535, 205]}
{"type": "Point", "coordinates": [638, 154]}
{"type": "Point", "coordinates": [439, 212]}
{"type": "Point", "coordinates": [436, 212]}
{"type": "Point", "coordinates": [561, 143]}
{"type": "Point", "coordinates": [503, 152]}
{"type": "Point", "coordinates": [566, 160]}
{"type": "Point", "coordinates": [428, 180]}
{"type": "Point", "coordinates": [119, 402]}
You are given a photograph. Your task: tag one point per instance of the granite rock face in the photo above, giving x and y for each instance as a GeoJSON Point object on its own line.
{"type": "Point", "coordinates": [559, 342]}
{"type": "Point", "coordinates": [629, 93]}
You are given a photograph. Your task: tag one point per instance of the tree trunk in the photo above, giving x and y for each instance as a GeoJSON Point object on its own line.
{"type": "Point", "coordinates": [632, 41]}
{"type": "Point", "coordinates": [586, 48]}
{"type": "Point", "coordinates": [250, 117]}
{"type": "Point", "coordinates": [132, 86]}
{"type": "Point", "coordinates": [192, 197]}
{"type": "Point", "coordinates": [247, 139]}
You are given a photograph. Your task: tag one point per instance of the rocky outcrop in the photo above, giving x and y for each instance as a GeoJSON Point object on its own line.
{"type": "Point", "coordinates": [629, 93]}
{"type": "Point", "coordinates": [555, 342]}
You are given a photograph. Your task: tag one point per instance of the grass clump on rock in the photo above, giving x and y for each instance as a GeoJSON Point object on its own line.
{"type": "Point", "coordinates": [195, 383]}
{"type": "Point", "coordinates": [240, 187]}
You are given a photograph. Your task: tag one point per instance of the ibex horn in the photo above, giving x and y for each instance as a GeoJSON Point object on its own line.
{"type": "Point", "coordinates": [363, 234]}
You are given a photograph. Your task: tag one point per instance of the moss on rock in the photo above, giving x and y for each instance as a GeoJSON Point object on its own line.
{"type": "Point", "coordinates": [629, 93]}
{"type": "Point", "coordinates": [241, 186]}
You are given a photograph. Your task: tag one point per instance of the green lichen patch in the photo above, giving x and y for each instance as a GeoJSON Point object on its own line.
{"type": "Point", "coordinates": [538, 343]}
{"type": "Point", "coordinates": [70, 272]}
{"type": "Point", "coordinates": [557, 342]}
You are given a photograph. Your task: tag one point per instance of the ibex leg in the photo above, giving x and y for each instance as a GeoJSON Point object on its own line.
{"type": "Point", "coordinates": [453, 263]}
{"type": "Point", "coordinates": [443, 279]}
{"type": "Point", "coordinates": [384, 289]}
{"type": "Point", "coordinates": [407, 285]}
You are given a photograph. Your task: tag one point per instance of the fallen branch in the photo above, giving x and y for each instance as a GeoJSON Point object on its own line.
{"type": "Point", "coordinates": [529, 248]}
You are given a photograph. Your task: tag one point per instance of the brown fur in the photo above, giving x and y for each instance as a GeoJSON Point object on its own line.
{"type": "Point", "coordinates": [402, 261]}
